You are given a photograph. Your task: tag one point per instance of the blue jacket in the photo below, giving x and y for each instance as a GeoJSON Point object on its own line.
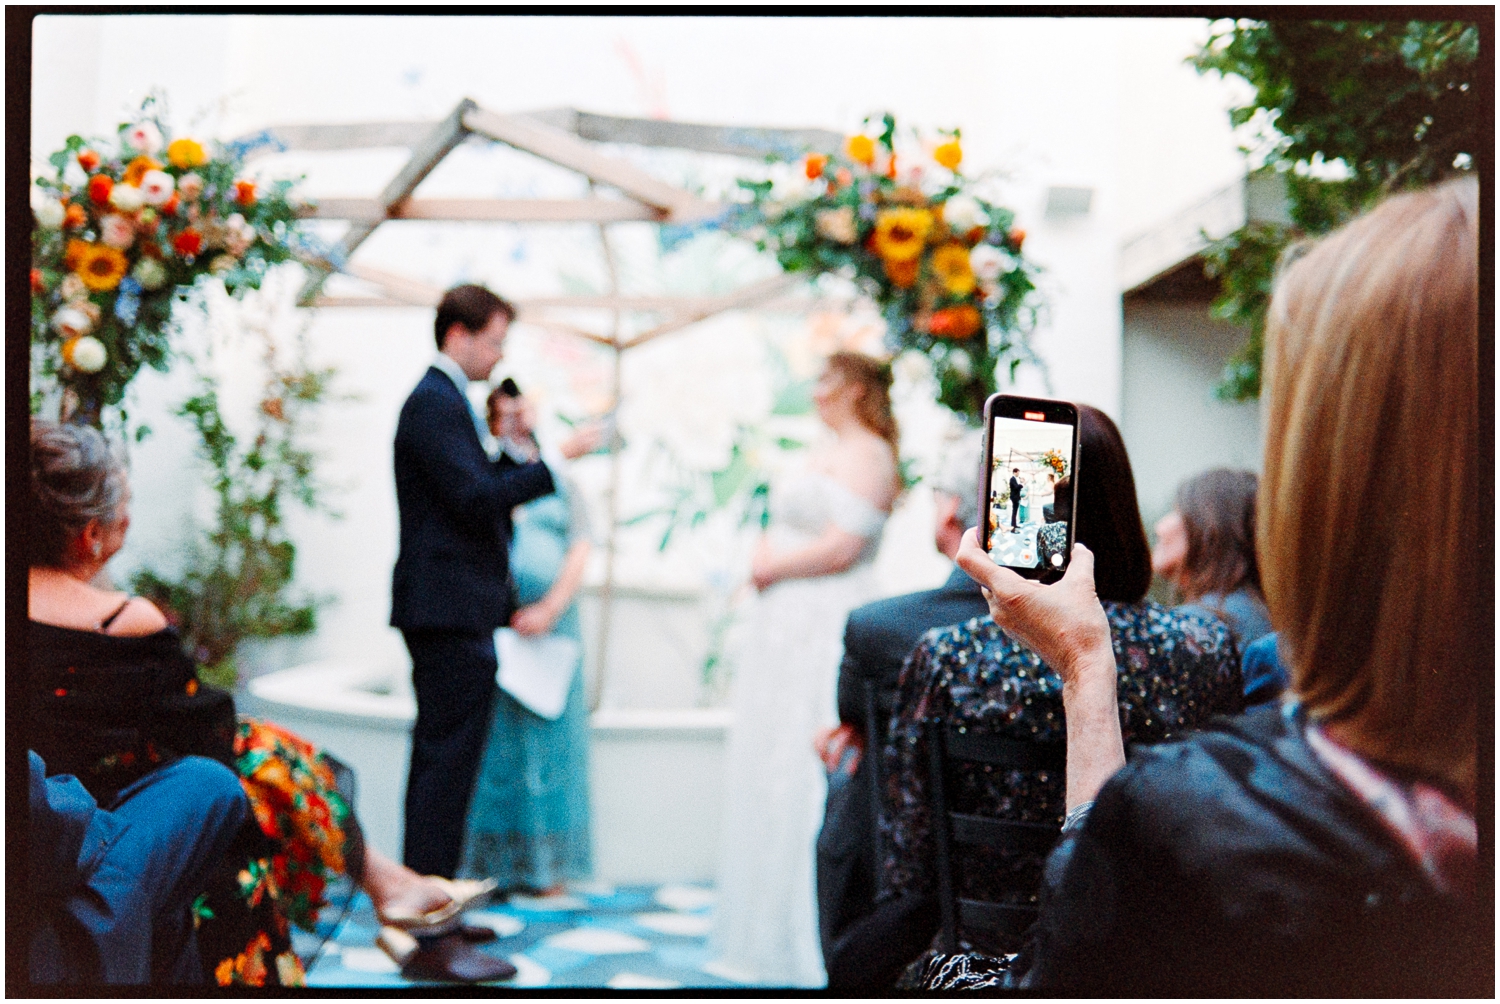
{"type": "Point", "coordinates": [454, 503]}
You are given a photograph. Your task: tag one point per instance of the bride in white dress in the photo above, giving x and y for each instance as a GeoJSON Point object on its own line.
{"type": "Point", "coordinates": [812, 567]}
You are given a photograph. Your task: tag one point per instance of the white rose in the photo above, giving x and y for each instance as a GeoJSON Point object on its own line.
{"type": "Point", "coordinates": [150, 273]}
{"type": "Point", "coordinates": [117, 231]}
{"type": "Point", "coordinates": [789, 183]}
{"type": "Point", "coordinates": [72, 287]}
{"type": "Point", "coordinates": [223, 263]}
{"type": "Point", "coordinates": [987, 261]}
{"type": "Point", "coordinates": [126, 198]}
{"type": "Point", "coordinates": [48, 211]}
{"type": "Point", "coordinates": [89, 355]}
{"type": "Point", "coordinates": [73, 175]}
{"type": "Point", "coordinates": [963, 213]}
{"type": "Point", "coordinates": [190, 185]}
{"type": "Point", "coordinates": [144, 136]}
{"type": "Point", "coordinates": [71, 322]}
{"type": "Point", "coordinates": [156, 187]}
{"type": "Point", "coordinates": [960, 363]}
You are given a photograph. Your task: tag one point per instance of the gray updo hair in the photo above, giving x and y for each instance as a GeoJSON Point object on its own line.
{"type": "Point", "coordinates": [74, 479]}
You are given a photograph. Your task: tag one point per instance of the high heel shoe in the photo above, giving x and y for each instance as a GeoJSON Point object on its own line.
{"type": "Point", "coordinates": [462, 893]}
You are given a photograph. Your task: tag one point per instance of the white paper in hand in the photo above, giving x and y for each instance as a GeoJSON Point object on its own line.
{"type": "Point", "coordinates": [536, 671]}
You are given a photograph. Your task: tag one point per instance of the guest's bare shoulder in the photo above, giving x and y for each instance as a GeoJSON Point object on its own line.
{"type": "Point", "coordinates": [140, 617]}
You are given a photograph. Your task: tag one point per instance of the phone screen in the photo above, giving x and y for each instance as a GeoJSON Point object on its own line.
{"type": "Point", "coordinates": [1029, 489]}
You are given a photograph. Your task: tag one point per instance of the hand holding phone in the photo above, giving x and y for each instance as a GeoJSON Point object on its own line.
{"type": "Point", "coordinates": [1029, 488]}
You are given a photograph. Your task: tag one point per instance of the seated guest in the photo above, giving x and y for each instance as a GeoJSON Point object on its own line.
{"type": "Point", "coordinates": [1205, 547]}
{"type": "Point", "coordinates": [862, 951]}
{"type": "Point", "coordinates": [1176, 668]}
{"type": "Point", "coordinates": [114, 700]}
{"type": "Point", "coordinates": [1327, 847]}
{"type": "Point", "coordinates": [111, 891]}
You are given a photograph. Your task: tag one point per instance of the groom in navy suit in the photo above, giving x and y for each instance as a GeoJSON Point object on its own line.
{"type": "Point", "coordinates": [450, 588]}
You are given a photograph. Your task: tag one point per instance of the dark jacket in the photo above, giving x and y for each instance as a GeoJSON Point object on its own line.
{"type": "Point", "coordinates": [454, 504]}
{"type": "Point", "coordinates": [1015, 489]}
{"type": "Point", "coordinates": [865, 947]}
{"type": "Point", "coordinates": [879, 636]}
{"type": "Point", "coordinates": [1235, 864]}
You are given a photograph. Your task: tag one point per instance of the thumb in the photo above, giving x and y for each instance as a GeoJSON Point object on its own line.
{"type": "Point", "coordinates": [1081, 568]}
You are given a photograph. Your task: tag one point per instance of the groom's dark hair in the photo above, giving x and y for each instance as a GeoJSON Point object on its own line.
{"type": "Point", "coordinates": [469, 305]}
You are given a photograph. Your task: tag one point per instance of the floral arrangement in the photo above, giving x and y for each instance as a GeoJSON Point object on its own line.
{"type": "Point", "coordinates": [122, 231]}
{"type": "Point", "coordinates": [944, 265]}
{"type": "Point", "coordinates": [1054, 460]}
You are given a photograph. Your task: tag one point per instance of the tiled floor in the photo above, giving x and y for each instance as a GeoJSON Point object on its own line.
{"type": "Point", "coordinates": [628, 937]}
{"type": "Point", "coordinates": [1015, 549]}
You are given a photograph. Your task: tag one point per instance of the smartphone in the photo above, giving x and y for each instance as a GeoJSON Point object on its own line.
{"type": "Point", "coordinates": [1030, 488]}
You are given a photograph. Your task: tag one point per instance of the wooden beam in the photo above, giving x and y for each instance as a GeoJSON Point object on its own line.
{"type": "Point", "coordinates": [568, 151]}
{"type": "Point", "coordinates": [744, 297]}
{"type": "Point", "coordinates": [487, 210]}
{"type": "Point", "coordinates": [741, 141]}
{"type": "Point", "coordinates": [338, 136]}
{"type": "Point", "coordinates": [425, 156]}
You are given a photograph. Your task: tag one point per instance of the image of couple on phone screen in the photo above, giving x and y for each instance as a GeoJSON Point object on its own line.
{"type": "Point", "coordinates": [1030, 493]}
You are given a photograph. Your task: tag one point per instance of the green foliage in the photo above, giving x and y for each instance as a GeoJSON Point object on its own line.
{"type": "Point", "coordinates": [1395, 103]}
{"type": "Point", "coordinates": [236, 581]}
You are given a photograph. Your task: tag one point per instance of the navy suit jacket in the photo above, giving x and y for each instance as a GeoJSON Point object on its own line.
{"type": "Point", "coordinates": [879, 636]}
{"type": "Point", "coordinates": [455, 503]}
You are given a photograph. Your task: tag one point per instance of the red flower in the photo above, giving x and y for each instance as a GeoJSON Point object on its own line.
{"type": "Point", "coordinates": [99, 188]}
{"type": "Point", "coordinates": [958, 322]}
{"type": "Point", "coordinates": [244, 193]}
{"type": "Point", "coordinates": [189, 242]}
{"type": "Point", "coordinates": [88, 159]}
{"type": "Point", "coordinates": [814, 166]}
{"type": "Point", "coordinates": [169, 207]}
{"type": "Point", "coordinates": [37, 285]}
{"type": "Point", "coordinates": [1016, 236]}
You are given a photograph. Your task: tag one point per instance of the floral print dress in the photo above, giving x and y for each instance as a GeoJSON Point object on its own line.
{"type": "Point", "coordinates": [278, 875]}
{"type": "Point", "coordinates": [1176, 668]}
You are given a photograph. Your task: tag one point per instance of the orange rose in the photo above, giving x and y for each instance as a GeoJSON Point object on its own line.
{"type": "Point", "coordinates": [136, 170]}
{"type": "Point", "coordinates": [902, 272]}
{"type": "Point", "coordinates": [88, 159]}
{"type": "Point", "coordinates": [861, 150]}
{"type": "Point", "coordinates": [1016, 237]}
{"type": "Point", "coordinates": [949, 155]}
{"type": "Point", "coordinates": [76, 216]}
{"type": "Point", "coordinates": [74, 252]}
{"type": "Point", "coordinates": [244, 193]}
{"type": "Point", "coordinates": [814, 166]}
{"type": "Point", "coordinates": [37, 285]}
{"type": "Point", "coordinates": [169, 208]}
{"type": "Point", "coordinates": [956, 323]}
{"type": "Point", "coordinates": [890, 168]}
{"type": "Point", "coordinates": [100, 186]}
{"type": "Point", "coordinates": [189, 242]}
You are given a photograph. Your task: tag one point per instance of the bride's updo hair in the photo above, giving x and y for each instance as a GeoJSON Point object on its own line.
{"type": "Point", "coordinates": [75, 479]}
{"type": "Point", "coordinates": [873, 409]}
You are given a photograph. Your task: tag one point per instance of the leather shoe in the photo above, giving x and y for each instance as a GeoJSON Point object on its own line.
{"type": "Point", "coordinates": [477, 934]}
{"type": "Point", "coordinates": [448, 958]}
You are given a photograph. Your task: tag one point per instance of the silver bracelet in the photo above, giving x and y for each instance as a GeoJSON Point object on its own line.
{"type": "Point", "coordinates": [1074, 819]}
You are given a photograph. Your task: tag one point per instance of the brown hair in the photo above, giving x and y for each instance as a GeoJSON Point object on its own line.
{"type": "Point", "coordinates": [471, 306]}
{"type": "Point", "coordinates": [873, 409]}
{"type": "Point", "coordinates": [75, 479]}
{"type": "Point", "coordinates": [1369, 509]}
{"type": "Point", "coordinates": [1108, 517]}
{"type": "Point", "coordinates": [1218, 513]}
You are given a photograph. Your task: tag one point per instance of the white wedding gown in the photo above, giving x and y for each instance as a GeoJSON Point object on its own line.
{"type": "Point", "coordinates": [785, 676]}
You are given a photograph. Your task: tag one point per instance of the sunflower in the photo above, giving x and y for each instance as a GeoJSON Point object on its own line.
{"type": "Point", "coordinates": [101, 268]}
{"type": "Point", "coordinates": [900, 233]}
{"type": "Point", "coordinates": [950, 263]}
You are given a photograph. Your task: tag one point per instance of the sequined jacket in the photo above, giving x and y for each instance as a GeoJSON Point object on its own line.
{"type": "Point", "coordinates": [1176, 669]}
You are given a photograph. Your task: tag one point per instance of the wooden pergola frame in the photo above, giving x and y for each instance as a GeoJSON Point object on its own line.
{"type": "Point", "coordinates": [562, 137]}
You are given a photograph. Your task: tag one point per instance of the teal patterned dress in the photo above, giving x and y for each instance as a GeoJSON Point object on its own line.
{"type": "Point", "coordinates": [528, 824]}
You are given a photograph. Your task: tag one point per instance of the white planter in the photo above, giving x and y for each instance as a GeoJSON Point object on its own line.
{"type": "Point", "coordinates": [656, 775]}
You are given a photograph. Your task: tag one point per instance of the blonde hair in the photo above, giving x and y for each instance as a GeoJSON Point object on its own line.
{"type": "Point", "coordinates": [1369, 509]}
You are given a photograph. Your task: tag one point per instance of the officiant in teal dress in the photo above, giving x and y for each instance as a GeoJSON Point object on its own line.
{"type": "Point", "coordinates": [528, 822]}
